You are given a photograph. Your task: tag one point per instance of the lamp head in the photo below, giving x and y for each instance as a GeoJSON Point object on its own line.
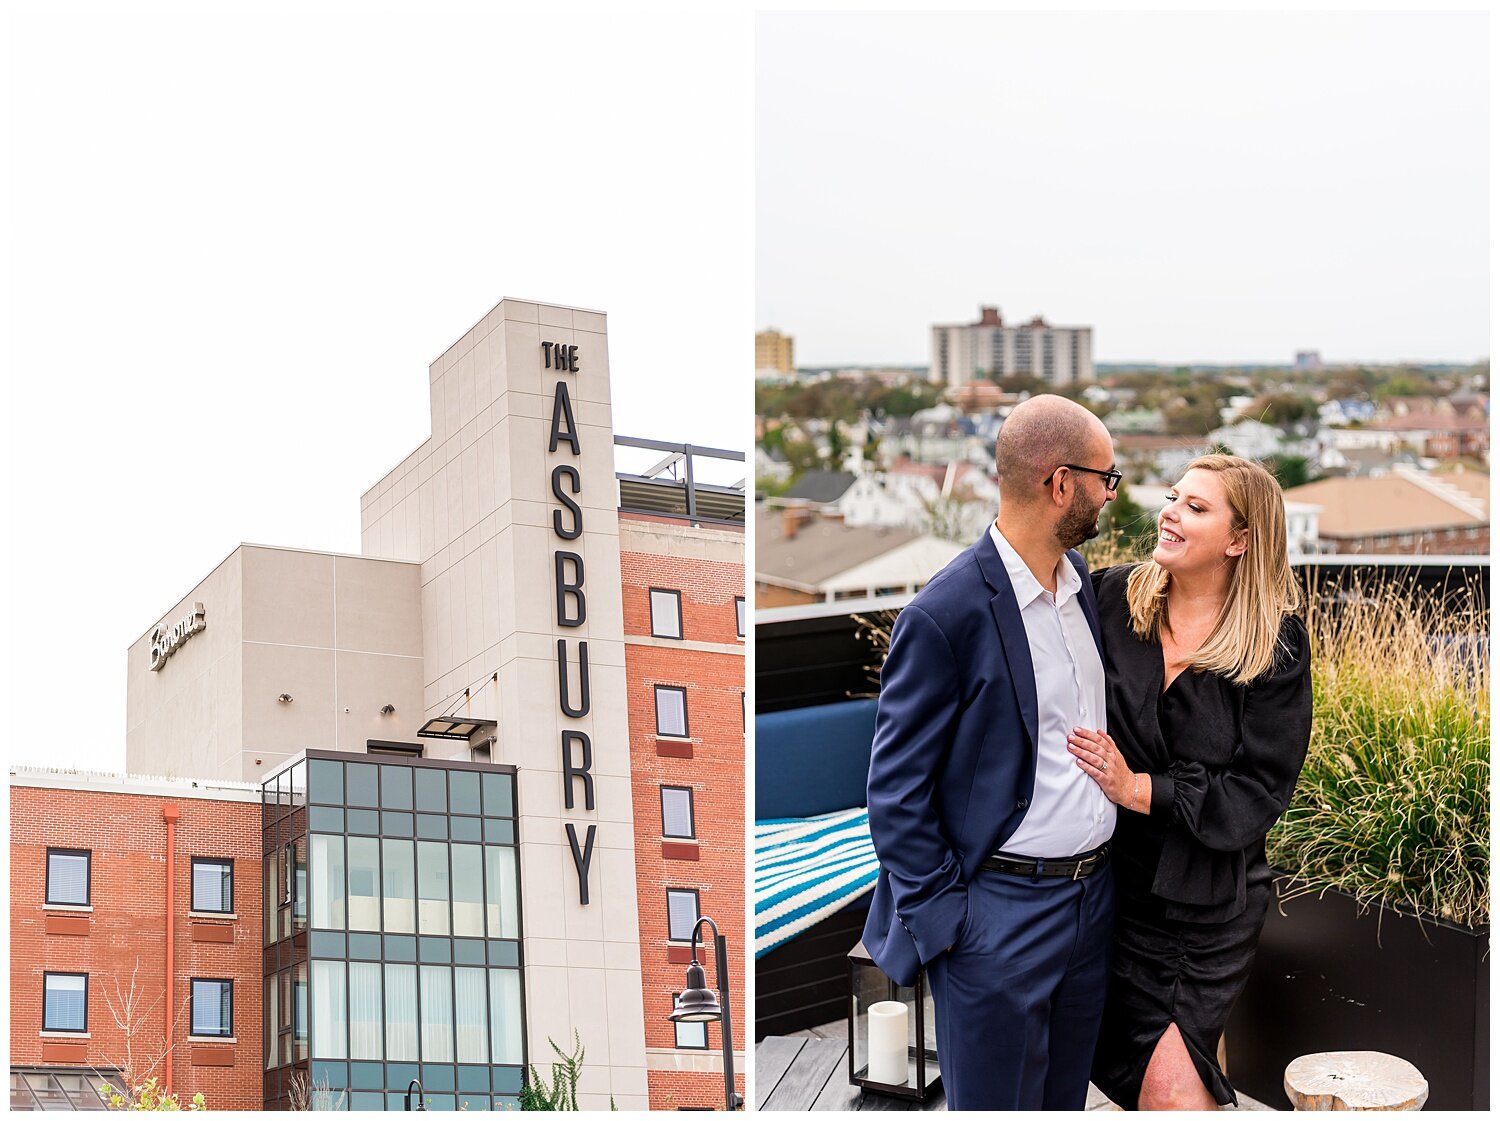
{"type": "Point", "coordinates": [698, 1003]}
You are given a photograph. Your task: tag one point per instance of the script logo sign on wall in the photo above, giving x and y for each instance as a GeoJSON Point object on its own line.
{"type": "Point", "coordinates": [572, 607]}
{"type": "Point", "coordinates": [165, 641]}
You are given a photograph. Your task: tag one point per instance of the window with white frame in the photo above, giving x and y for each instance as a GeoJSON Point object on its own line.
{"type": "Point", "coordinates": [666, 613]}
{"type": "Point", "coordinates": [739, 616]}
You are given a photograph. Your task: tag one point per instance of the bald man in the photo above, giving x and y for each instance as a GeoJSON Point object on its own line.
{"type": "Point", "coordinates": [993, 843]}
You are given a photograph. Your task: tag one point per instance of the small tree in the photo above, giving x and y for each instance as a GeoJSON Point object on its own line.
{"type": "Point", "coordinates": [1290, 470]}
{"type": "Point", "coordinates": [303, 1095]}
{"type": "Point", "coordinates": [1281, 408]}
{"type": "Point", "coordinates": [945, 518]}
{"type": "Point", "coordinates": [146, 1048]}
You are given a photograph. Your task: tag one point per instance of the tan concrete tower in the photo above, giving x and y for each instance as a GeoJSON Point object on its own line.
{"type": "Point", "coordinates": [511, 508]}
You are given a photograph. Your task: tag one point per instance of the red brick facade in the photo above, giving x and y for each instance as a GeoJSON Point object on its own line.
{"type": "Point", "coordinates": [711, 761]}
{"type": "Point", "coordinates": [1458, 541]}
{"type": "Point", "coordinates": [126, 834]}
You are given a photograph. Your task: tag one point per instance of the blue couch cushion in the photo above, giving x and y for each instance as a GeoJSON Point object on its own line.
{"type": "Point", "coordinates": [811, 761]}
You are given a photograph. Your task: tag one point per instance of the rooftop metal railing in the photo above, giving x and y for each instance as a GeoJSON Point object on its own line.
{"type": "Point", "coordinates": [670, 487]}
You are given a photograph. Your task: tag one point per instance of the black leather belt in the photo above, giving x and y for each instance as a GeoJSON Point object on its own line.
{"type": "Point", "coordinates": [1074, 868]}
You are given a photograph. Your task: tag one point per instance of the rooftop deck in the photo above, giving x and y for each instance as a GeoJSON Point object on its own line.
{"type": "Point", "coordinates": [809, 1070]}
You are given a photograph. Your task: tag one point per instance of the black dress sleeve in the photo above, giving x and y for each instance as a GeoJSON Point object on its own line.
{"type": "Point", "coordinates": [1099, 575]}
{"type": "Point", "coordinates": [1230, 808]}
{"type": "Point", "coordinates": [1217, 813]}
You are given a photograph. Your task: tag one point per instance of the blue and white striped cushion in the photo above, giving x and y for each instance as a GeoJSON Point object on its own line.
{"type": "Point", "coordinates": [806, 868]}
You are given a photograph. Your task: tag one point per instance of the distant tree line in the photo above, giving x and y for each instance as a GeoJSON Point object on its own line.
{"type": "Point", "coordinates": [839, 399]}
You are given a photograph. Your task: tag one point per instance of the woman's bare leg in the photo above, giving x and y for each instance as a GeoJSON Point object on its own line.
{"type": "Point", "coordinates": [1172, 1081]}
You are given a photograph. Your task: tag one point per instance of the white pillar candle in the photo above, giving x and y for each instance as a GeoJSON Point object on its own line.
{"type": "Point", "coordinates": [888, 1043]}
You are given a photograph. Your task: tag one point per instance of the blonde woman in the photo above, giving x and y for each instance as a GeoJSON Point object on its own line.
{"type": "Point", "coordinates": [1209, 702]}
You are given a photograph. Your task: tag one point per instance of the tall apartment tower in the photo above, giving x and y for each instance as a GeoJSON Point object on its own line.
{"type": "Point", "coordinates": [773, 351]}
{"type": "Point", "coordinates": [990, 349]}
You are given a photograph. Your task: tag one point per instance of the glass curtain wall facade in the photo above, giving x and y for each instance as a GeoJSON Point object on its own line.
{"type": "Point", "coordinates": [392, 934]}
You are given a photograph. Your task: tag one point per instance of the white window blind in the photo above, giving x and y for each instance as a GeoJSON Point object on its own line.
{"type": "Point", "coordinates": [64, 1001]}
{"type": "Point", "coordinates": [211, 880]}
{"type": "Point", "coordinates": [671, 711]}
{"type": "Point", "coordinates": [666, 614]}
{"type": "Point", "coordinates": [682, 914]}
{"type": "Point", "coordinates": [68, 878]}
{"type": "Point", "coordinates": [676, 812]}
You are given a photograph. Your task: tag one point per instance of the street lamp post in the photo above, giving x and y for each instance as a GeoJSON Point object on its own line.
{"type": "Point", "coordinates": [417, 1086]}
{"type": "Point", "coordinates": [698, 1005]}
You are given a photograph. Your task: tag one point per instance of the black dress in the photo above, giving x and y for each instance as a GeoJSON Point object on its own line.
{"type": "Point", "coordinates": [1192, 884]}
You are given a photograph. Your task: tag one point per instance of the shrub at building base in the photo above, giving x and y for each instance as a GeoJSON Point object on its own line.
{"type": "Point", "coordinates": [563, 1094]}
{"type": "Point", "coordinates": [150, 1097]}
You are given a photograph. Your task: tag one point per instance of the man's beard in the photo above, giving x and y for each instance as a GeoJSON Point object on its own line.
{"type": "Point", "coordinates": [1079, 524]}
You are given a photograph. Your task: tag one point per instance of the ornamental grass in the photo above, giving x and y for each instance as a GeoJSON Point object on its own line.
{"type": "Point", "coordinates": [1393, 805]}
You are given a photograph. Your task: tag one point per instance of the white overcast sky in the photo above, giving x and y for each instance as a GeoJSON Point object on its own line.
{"type": "Point", "coordinates": [234, 242]}
{"type": "Point", "coordinates": [1195, 186]}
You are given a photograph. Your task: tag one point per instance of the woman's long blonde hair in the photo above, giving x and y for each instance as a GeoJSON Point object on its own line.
{"type": "Point", "coordinates": [1262, 590]}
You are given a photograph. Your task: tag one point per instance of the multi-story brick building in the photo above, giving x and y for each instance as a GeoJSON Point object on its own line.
{"type": "Point", "coordinates": [103, 969]}
{"type": "Point", "coordinates": [684, 659]}
{"type": "Point", "coordinates": [499, 621]}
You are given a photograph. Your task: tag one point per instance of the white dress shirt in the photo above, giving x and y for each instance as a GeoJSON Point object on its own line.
{"type": "Point", "coordinates": [1068, 814]}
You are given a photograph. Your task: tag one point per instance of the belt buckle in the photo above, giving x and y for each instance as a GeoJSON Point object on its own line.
{"type": "Point", "coordinates": [1078, 869]}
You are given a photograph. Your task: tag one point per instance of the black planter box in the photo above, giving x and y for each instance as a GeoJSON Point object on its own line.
{"type": "Point", "coordinates": [804, 983]}
{"type": "Point", "coordinates": [1328, 978]}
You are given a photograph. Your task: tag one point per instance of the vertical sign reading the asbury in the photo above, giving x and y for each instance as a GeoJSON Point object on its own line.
{"type": "Point", "coordinates": [572, 609]}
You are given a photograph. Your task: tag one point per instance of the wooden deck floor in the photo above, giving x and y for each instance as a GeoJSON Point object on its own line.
{"type": "Point", "coordinates": [810, 1071]}
{"type": "Point", "coordinates": [802, 1073]}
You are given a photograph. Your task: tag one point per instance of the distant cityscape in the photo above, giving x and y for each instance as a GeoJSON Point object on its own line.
{"type": "Point", "coordinates": [869, 479]}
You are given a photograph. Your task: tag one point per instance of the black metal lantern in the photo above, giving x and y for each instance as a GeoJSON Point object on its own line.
{"type": "Point", "coordinates": [892, 1032]}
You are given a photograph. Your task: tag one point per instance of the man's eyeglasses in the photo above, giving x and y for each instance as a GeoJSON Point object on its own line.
{"type": "Point", "coordinates": [1111, 478]}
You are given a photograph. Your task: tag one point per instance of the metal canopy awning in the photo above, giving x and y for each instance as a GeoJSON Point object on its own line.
{"type": "Point", "coordinates": [453, 728]}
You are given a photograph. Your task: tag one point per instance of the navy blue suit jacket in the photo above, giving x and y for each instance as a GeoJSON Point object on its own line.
{"type": "Point", "coordinates": [953, 763]}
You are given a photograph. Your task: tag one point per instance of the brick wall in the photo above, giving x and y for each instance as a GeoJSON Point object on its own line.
{"type": "Point", "coordinates": [714, 862]}
{"type": "Point", "coordinates": [773, 595]}
{"type": "Point", "coordinates": [693, 1089]}
{"type": "Point", "coordinates": [1429, 543]}
{"type": "Point", "coordinates": [127, 836]}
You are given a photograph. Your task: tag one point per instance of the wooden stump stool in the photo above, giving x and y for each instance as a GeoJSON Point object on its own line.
{"type": "Point", "coordinates": [1354, 1080]}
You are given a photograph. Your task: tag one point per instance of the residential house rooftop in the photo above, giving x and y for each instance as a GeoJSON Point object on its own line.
{"type": "Point", "coordinates": [822, 558]}
{"type": "Point", "coordinates": [820, 487]}
{"type": "Point", "coordinates": [1404, 501]}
